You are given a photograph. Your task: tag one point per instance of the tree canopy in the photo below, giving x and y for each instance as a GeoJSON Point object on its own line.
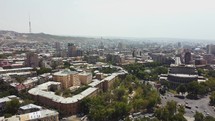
{"type": "Point", "coordinates": [117, 103]}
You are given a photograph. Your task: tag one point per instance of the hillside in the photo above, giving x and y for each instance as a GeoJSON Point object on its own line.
{"type": "Point", "coordinates": [12, 35]}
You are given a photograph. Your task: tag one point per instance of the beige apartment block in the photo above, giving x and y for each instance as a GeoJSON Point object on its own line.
{"type": "Point", "coordinates": [74, 79]}
{"type": "Point", "coordinates": [67, 78]}
{"type": "Point", "coordinates": [85, 78]}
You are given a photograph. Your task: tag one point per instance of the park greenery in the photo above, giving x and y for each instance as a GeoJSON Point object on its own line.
{"type": "Point", "coordinates": [11, 107]}
{"type": "Point", "coordinates": [170, 112]}
{"type": "Point", "coordinates": [200, 117]}
{"type": "Point", "coordinates": [206, 73]}
{"type": "Point", "coordinates": [70, 93]}
{"type": "Point", "coordinates": [195, 89]}
{"type": "Point", "coordinates": [174, 112]}
{"type": "Point", "coordinates": [108, 70]}
{"type": "Point", "coordinates": [5, 55]}
{"type": "Point", "coordinates": [43, 70]}
{"type": "Point", "coordinates": [146, 71]}
{"type": "Point", "coordinates": [6, 90]}
{"type": "Point", "coordinates": [212, 98]}
{"type": "Point", "coordinates": [126, 96]}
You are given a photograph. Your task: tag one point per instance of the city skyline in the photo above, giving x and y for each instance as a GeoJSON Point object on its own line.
{"type": "Point", "coordinates": [127, 18]}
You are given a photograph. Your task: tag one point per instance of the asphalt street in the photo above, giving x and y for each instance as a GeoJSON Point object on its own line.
{"type": "Point", "coordinates": [200, 105]}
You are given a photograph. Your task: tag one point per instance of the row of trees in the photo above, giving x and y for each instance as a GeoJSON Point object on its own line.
{"type": "Point", "coordinates": [173, 112]}
{"type": "Point", "coordinates": [212, 98]}
{"type": "Point", "coordinates": [147, 71]}
{"type": "Point", "coordinates": [196, 89]}
{"type": "Point", "coordinates": [6, 90]}
{"type": "Point", "coordinates": [200, 117]}
{"type": "Point", "coordinates": [170, 112]}
{"type": "Point", "coordinates": [206, 73]}
{"type": "Point", "coordinates": [108, 70]}
{"type": "Point", "coordinates": [43, 70]}
{"type": "Point", "coordinates": [11, 107]}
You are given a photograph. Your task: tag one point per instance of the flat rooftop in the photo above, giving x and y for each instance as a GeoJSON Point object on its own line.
{"type": "Point", "coordinates": [65, 72]}
{"type": "Point", "coordinates": [8, 98]}
{"type": "Point", "coordinates": [16, 69]}
{"type": "Point", "coordinates": [42, 90]}
{"type": "Point", "coordinates": [184, 75]}
{"type": "Point", "coordinates": [95, 82]}
{"type": "Point", "coordinates": [30, 106]}
{"type": "Point", "coordinates": [32, 116]}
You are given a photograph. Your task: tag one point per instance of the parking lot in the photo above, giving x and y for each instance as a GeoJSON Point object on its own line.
{"type": "Point", "coordinates": [200, 105]}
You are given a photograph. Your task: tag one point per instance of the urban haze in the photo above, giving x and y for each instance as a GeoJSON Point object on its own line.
{"type": "Point", "coordinates": [107, 60]}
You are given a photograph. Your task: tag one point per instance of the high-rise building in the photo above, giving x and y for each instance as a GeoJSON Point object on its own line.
{"type": "Point", "coordinates": [32, 59]}
{"type": "Point", "coordinates": [72, 50]}
{"type": "Point", "coordinates": [29, 24]}
{"type": "Point", "coordinates": [115, 58]}
{"type": "Point", "coordinates": [121, 46]}
{"type": "Point", "coordinates": [209, 58]}
{"type": "Point", "coordinates": [57, 46]}
{"type": "Point", "coordinates": [210, 49]}
{"type": "Point", "coordinates": [187, 58]}
{"type": "Point", "coordinates": [79, 52]}
{"type": "Point", "coordinates": [92, 58]}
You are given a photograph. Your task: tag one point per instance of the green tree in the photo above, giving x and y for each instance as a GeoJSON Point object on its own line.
{"type": "Point", "coordinates": [211, 73]}
{"type": "Point", "coordinates": [198, 116]}
{"type": "Point", "coordinates": [121, 109]}
{"type": "Point", "coordinates": [181, 110]}
{"type": "Point", "coordinates": [153, 98]}
{"type": "Point", "coordinates": [160, 70]}
{"type": "Point", "coordinates": [172, 107]}
{"type": "Point", "coordinates": [26, 102]}
{"type": "Point", "coordinates": [85, 105]}
{"type": "Point", "coordinates": [119, 92]}
{"type": "Point", "coordinates": [137, 104]}
{"type": "Point", "coordinates": [209, 118]}
{"type": "Point", "coordinates": [178, 117]}
{"type": "Point", "coordinates": [181, 88]}
{"type": "Point", "coordinates": [200, 72]}
{"type": "Point", "coordinates": [66, 93]}
{"type": "Point", "coordinates": [20, 79]}
{"type": "Point", "coordinates": [116, 83]}
{"type": "Point", "coordinates": [212, 98]}
{"type": "Point", "coordinates": [165, 84]}
{"type": "Point", "coordinates": [43, 70]}
{"type": "Point", "coordinates": [130, 89]}
{"type": "Point", "coordinates": [210, 84]}
{"type": "Point", "coordinates": [202, 90]}
{"type": "Point", "coordinates": [128, 80]}
{"type": "Point", "coordinates": [67, 64]}
{"type": "Point", "coordinates": [12, 106]}
{"type": "Point", "coordinates": [168, 112]}
{"type": "Point", "coordinates": [58, 92]}
{"type": "Point", "coordinates": [193, 89]}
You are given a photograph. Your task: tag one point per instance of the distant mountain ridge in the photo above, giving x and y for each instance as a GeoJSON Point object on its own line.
{"type": "Point", "coordinates": [12, 35]}
{"type": "Point", "coordinates": [43, 37]}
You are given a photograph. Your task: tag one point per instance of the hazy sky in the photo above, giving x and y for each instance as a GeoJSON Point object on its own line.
{"type": "Point", "coordinates": [120, 18]}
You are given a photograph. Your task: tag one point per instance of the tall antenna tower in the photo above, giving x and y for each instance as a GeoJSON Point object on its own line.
{"type": "Point", "coordinates": [29, 24]}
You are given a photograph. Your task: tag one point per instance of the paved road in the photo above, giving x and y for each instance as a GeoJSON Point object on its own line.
{"type": "Point", "coordinates": [200, 105]}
